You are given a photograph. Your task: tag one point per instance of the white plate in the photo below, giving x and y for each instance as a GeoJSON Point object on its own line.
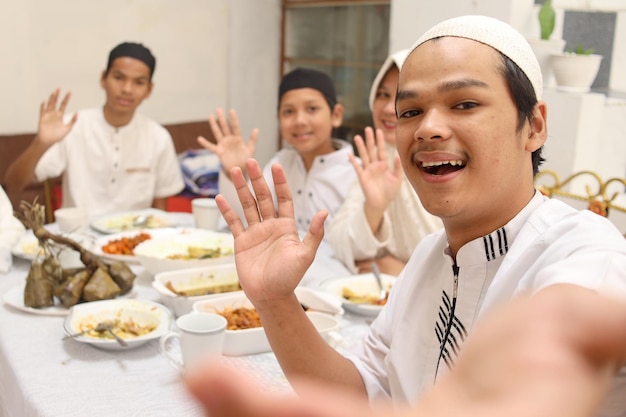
{"type": "Point", "coordinates": [15, 298]}
{"type": "Point", "coordinates": [103, 240]}
{"type": "Point", "coordinates": [141, 311]}
{"type": "Point", "coordinates": [26, 247]}
{"type": "Point", "coordinates": [362, 284]}
{"type": "Point", "coordinates": [319, 301]}
{"type": "Point", "coordinates": [155, 254]}
{"type": "Point", "coordinates": [121, 222]}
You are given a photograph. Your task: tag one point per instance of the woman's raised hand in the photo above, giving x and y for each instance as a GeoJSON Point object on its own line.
{"type": "Point", "coordinates": [229, 145]}
{"type": "Point", "coordinates": [380, 184]}
{"type": "Point", "coordinates": [271, 259]}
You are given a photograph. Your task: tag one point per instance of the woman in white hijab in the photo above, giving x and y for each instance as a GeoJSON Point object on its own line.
{"type": "Point", "coordinates": [382, 219]}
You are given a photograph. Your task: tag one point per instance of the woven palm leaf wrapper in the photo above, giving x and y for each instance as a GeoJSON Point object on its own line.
{"type": "Point", "coordinates": [46, 278]}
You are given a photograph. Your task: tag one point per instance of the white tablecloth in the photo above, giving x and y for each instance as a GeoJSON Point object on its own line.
{"type": "Point", "coordinates": [43, 375]}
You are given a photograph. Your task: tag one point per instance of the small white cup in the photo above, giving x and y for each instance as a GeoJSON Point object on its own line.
{"type": "Point", "coordinates": [71, 219]}
{"type": "Point", "coordinates": [201, 335]}
{"type": "Point", "coordinates": [205, 213]}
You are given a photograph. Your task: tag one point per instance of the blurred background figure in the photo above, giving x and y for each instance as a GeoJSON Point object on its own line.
{"type": "Point", "coordinates": [316, 164]}
{"type": "Point", "coordinates": [112, 159]}
{"type": "Point", "coordinates": [382, 218]}
{"type": "Point", "coordinates": [11, 229]}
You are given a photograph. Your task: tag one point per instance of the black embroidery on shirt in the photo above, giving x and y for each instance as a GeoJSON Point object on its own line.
{"type": "Point", "coordinates": [450, 331]}
{"type": "Point", "coordinates": [496, 244]}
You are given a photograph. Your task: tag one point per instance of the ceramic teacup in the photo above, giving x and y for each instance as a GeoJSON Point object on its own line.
{"type": "Point", "coordinates": [201, 335]}
{"type": "Point", "coordinates": [205, 213]}
{"type": "Point", "coordinates": [71, 219]}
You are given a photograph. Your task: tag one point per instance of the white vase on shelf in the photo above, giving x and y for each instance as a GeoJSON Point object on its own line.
{"type": "Point", "coordinates": [575, 72]}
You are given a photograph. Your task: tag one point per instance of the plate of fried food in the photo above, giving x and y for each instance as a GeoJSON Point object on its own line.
{"type": "Point", "coordinates": [133, 220]}
{"type": "Point", "coordinates": [359, 293]}
{"type": "Point", "coordinates": [103, 324]}
{"type": "Point", "coordinates": [121, 246]}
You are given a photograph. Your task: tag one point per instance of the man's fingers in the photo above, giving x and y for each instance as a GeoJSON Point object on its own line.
{"type": "Point", "coordinates": [263, 194]}
{"type": "Point", "coordinates": [599, 323]}
{"type": "Point", "coordinates": [247, 200]}
{"type": "Point", "coordinates": [314, 236]}
{"type": "Point", "coordinates": [227, 392]}
{"type": "Point", "coordinates": [283, 193]}
{"type": "Point", "coordinates": [230, 216]}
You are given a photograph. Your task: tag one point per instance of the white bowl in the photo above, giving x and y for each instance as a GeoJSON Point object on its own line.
{"type": "Point", "coordinates": [361, 284]}
{"type": "Point", "coordinates": [142, 312]}
{"type": "Point", "coordinates": [212, 278]}
{"type": "Point", "coordinates": [253, 341]}
{"type": "Point", "coordinates": [155, 254]}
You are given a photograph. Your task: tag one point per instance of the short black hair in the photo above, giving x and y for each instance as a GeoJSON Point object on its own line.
{"type": "Point", "coordinates": [309, 78]}
{"type": "Point", "coordinates": [525, 101]}
{"type": "Point", "coordinates": [132, 50]}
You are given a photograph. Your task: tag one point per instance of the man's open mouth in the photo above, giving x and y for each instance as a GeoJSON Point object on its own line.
{"type": "Point", "coordinates": [442, 167]}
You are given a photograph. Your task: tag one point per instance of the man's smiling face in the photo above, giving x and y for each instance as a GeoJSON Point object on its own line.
{"type": "Point", "coordinates": [457, 135]}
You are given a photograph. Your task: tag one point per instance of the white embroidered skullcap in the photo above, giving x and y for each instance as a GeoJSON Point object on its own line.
{"type": "Point", "coordinates": [396, 58]}
{"type": "Point", "coordinates": [495, 33]}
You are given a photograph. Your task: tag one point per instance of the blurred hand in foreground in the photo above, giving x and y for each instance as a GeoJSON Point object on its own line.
{"type": "Point", "coordinates": [552, 354]}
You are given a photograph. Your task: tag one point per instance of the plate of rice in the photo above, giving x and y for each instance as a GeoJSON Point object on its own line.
{"type": "Point", "coordinates": [185, 248]}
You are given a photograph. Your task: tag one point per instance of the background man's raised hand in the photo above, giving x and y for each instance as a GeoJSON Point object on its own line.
{"type": "Point", "coordinates": [52, 127]}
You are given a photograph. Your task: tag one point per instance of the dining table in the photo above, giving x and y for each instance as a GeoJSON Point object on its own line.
{"type": "Point", "coordinates": [43, 374]}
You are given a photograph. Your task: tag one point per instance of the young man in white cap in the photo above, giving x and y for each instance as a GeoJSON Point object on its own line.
{"type": "Point", "coordinates": [471, 125]}
{"type": "Point", "coordinates": [111, 158]}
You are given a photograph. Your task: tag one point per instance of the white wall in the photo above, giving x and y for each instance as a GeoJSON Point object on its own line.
{"type": "Point", "coordinates": [254, 68]}
{"type": "Point", "coordinates": [410, 18]}
{"type": "Point", "coordinates": [209, 53]}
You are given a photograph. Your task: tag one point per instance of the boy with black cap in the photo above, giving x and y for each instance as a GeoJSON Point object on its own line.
{"type": "Point", "coordinates": [316, 165]}
{"type": "Point", "coordinates": [111, 158]}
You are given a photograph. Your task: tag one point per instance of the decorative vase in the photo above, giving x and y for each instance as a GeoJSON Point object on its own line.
{"type": "Point", "coordinates": [543, 49]}
{"type": "Point", "coordinates": [574, 72]}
